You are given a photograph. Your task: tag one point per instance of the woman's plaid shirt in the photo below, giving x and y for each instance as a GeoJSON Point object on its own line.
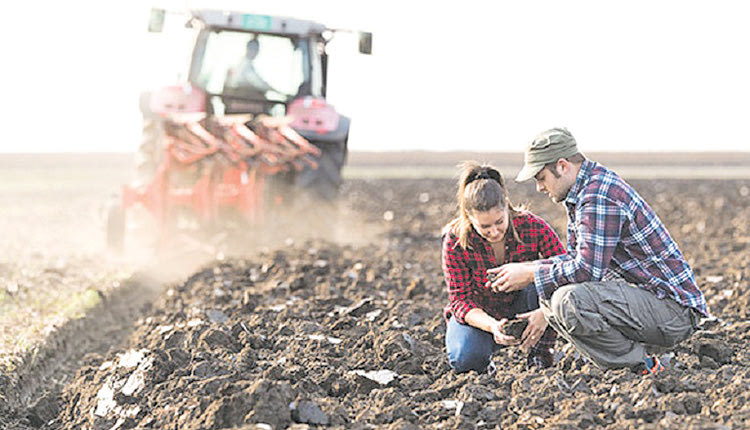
{"type": "Point", "coordinates": [465, 270]}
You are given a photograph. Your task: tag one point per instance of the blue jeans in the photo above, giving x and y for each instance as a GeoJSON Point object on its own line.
{"type": "Point", "coordinates": [470, 348]}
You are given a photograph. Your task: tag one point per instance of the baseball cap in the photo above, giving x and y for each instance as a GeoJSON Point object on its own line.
{"type": "Point", "coordinates": [547, 147]}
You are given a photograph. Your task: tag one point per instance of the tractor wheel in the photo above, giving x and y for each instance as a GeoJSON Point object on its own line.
{"type": "Point", "coordinates": [324, 182]}
{"type": "Point", "coordinates": [150, 150]}
{"type": "Point", "coordinates": [116, 228]}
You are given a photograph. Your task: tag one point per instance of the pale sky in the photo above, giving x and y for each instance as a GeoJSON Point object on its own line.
{"type": "Point", "coordinates": [470, 75]}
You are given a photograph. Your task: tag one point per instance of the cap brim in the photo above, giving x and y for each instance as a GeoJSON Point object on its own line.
{"type": "Point", "coordinates": [528, 172]}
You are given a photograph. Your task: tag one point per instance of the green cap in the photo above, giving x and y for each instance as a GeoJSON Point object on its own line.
{"type": "Point", "coordinates": [547, 147]}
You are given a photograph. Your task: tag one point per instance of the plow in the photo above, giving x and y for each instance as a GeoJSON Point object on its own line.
{"type": "Point", "coordinates": [213, 166]}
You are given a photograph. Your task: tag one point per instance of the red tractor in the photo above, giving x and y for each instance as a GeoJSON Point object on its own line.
{"type": "Point", "coordinates": [249, 126]}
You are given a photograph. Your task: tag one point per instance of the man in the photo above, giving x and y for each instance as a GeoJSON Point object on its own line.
{"type": "Point", "coordinates": [244, 75]}
{"type": "Point", "coordinates": [624, 290]}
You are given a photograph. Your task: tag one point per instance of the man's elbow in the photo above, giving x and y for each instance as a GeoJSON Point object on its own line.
{"type": "Point", "coordinates": [584, 273]}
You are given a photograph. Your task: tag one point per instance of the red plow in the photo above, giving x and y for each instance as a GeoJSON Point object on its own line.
{"type": "Point", "coordinates": [213, 165]}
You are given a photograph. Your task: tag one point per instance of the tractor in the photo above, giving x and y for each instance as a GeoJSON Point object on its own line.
{"type": "Point", "coordinates": [249, 126]}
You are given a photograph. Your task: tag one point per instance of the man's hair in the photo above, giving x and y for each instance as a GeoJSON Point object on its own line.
{"type": "Point", "coordinates": [576, 158]}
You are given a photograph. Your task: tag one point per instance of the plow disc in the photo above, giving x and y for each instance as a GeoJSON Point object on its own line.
{"type": "Point", "coordinates": [211, 166]}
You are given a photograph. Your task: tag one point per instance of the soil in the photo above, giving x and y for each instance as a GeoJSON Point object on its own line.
{"type": "Point", "coordinates": [515, 327]}
{"type": "Point", "coordinates": [329, 331]}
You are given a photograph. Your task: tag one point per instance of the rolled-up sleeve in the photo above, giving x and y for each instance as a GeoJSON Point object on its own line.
{"type": "Point", "coordinates": [458, 278]}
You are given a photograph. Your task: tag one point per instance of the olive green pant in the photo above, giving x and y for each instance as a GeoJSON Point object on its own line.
{"type": "Point", "coordinates": [617, 324]}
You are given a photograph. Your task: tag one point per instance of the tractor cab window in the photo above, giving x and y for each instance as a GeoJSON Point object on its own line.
{"type": "Point", "coordinates": [254, 66]}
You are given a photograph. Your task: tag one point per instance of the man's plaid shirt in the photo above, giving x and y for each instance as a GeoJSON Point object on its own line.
{"type": "Point", "coordinates": [465, 270]}
{"type": "Point", "coordinates": [613, 233]}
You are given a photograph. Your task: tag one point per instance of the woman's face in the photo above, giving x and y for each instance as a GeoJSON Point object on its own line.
{"type": "Point", "coordinates": [491, 224]}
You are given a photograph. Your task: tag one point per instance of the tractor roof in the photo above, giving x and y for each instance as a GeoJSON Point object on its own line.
{"type": "Point", "coordinates": [253, 22]}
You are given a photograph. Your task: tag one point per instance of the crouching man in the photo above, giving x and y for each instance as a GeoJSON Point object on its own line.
{"type": "Point", "coordinates": [623, 291]}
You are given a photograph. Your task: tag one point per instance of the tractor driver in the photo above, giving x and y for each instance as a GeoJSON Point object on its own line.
{"type": "Point", "coordinates": [244, 80]}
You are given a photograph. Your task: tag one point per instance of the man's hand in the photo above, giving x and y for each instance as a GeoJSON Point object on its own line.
{"type": "Point", "coordinates": [535, 329]}
{"type": "Point", "coordinates": [510, 277]}
{"type": "Point", "coordinates": [496, 328]}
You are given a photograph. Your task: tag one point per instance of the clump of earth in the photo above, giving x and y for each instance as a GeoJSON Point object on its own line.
{"type": "Point", "coordinates": [322, 332]}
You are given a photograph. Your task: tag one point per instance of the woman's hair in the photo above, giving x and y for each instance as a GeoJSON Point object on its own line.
{"type": "Point", "coordinates": [480, 188]}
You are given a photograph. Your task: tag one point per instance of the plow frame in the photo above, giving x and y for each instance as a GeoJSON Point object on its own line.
{"type": "Point", "coordinates": [227, 160]}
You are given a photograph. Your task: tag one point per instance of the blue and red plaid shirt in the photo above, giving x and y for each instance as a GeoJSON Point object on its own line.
{"type": "Point", "coordinates": [465, 270]}
{"type": "Point", "coordinates": [613, 233]}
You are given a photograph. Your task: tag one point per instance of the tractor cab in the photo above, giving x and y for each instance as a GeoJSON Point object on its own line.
{"type": "Point", "coordinates": [257, 64]}
{"type": "Point", "coordinates": [249, 63]}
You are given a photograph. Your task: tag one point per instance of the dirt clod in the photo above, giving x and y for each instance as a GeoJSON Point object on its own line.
{"type": "Point", "coordinates": [515, 327]}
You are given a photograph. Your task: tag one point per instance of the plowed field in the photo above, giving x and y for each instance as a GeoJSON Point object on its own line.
{"type": "Point", "coordinates": [342, 327]}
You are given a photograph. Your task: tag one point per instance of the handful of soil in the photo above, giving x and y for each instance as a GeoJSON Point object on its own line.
{"type": "Point", "coordinates": [515, 327]}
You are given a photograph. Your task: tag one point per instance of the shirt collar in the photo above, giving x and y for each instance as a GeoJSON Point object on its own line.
{"type": "Point", "coordinates": [581, 180]}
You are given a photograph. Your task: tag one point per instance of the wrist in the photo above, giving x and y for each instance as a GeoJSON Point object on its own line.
{"type": "Point", "coordinates": [530, 269]}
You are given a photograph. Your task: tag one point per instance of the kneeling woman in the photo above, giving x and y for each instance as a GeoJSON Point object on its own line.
{"type": "Point", "coordinates": [487, 232]}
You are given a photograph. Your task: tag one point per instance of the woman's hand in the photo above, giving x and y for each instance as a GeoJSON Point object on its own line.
{"type": "Point", "coordinates": [510, 277]}
{"type": "Point", "coordinates": [535, 329]}
{"type": "Point", "coordinates": [496, 328]}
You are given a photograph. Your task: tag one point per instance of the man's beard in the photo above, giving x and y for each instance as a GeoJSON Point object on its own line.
{"type": "Point", "coordinates": [559, 198]}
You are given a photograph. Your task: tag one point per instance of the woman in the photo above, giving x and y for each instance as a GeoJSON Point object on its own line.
{"type": "Point", "coordinates": [487, 232]}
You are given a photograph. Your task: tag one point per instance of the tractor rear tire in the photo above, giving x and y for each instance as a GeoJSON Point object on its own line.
{"type": "Point", "coordinates": [324, 182]}
{"type": "Point", "coordinates": [116, 228]}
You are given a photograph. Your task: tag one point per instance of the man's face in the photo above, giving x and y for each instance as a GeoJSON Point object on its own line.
{"type": "Point", "coordinates": [491, 224]}
{"type": "Point", "coordinates": [555, 186]}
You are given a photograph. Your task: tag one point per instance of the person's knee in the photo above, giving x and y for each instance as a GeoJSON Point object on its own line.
{"type": "Point", "coordinates": [563, 306]}
{"type": "Point", "coordinates": [463, 359]}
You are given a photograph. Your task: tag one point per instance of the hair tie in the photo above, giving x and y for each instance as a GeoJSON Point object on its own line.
{"type": "Point", "coordinates": [485, 174]}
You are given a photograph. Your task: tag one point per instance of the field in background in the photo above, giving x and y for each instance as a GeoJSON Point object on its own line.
{"type": "Point", "coordinates": [24, 173]}
{"type": "Point", "coordinates": [415, 164]}
{"type": "Point", "coordinates": [513, 158]}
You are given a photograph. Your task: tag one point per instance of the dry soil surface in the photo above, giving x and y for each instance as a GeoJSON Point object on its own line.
{"type": "Point", "coordinates": [316, 326]}
{"type": "Point", "coordinates": [334, 332]}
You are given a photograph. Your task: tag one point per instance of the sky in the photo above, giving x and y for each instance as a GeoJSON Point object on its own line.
{"type": "Point", "coordinates": [472, 75]}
